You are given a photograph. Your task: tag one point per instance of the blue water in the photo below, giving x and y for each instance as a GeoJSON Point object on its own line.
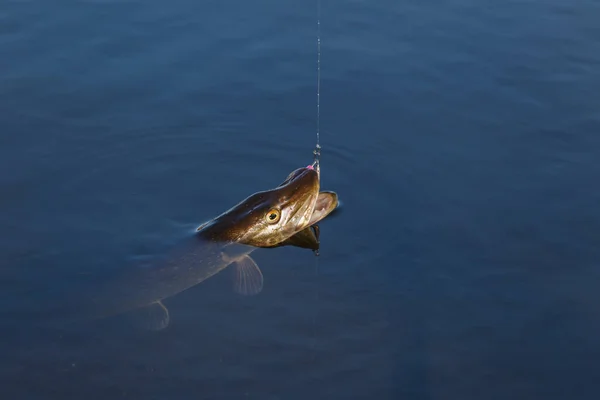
{"type": "Point", "coordinates": [463, 138]}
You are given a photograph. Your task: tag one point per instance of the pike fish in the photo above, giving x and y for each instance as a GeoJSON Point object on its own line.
{"type": "Point", "coordinates": [285, 215]}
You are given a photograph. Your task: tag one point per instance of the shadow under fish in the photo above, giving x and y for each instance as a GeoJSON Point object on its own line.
{"type": "Point", "coordinates": [283, 216]}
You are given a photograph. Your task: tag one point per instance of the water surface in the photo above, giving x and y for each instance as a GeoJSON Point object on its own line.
{"type": "Point", "coordinates": [462, 137]}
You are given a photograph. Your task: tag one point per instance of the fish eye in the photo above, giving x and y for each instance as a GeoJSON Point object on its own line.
{"type": "Point", "coordinates": [273, 216]}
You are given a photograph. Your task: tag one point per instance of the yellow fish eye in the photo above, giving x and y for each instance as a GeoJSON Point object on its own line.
{"type": "Point", "coordinates": [273, 216]}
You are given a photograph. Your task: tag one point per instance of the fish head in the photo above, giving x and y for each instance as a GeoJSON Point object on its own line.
{"type": "Point", "coordinates": [272, 216]}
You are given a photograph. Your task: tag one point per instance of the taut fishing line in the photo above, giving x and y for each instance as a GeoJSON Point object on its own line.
{"type": "Point", "coordinates": [317, 151]}
{"type": "Point", "coordinates": [317, 154]}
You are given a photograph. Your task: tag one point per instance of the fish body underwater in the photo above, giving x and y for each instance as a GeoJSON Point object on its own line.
{"type": "Point", "coordinates": [285, 215]}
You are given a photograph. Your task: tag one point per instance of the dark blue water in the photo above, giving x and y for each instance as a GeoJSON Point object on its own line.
{"type": "Point", "coordinates": [463, 138]}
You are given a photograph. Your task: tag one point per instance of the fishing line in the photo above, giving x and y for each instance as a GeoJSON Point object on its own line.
{"type": "Point", "coordinates": [317, 154]}
{"type": "Point", "coordinates": [317, 151]}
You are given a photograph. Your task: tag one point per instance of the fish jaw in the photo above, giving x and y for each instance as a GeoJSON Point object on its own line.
{"type": "Point", "coordinates": [292, 202]}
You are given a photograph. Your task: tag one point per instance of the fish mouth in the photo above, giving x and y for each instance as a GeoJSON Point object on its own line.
{"type": "Point", "coordinates": [300, 173]}
{"type": "Point", "coordinates": [299, 193]}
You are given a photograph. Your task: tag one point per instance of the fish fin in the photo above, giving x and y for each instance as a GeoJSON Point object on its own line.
{"type": "Point", "coordinates": [327, 201]}
{"type": "Point", "coordinates": [248, 279]}
{"type": "Point", "coordinates": [154, 317]}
